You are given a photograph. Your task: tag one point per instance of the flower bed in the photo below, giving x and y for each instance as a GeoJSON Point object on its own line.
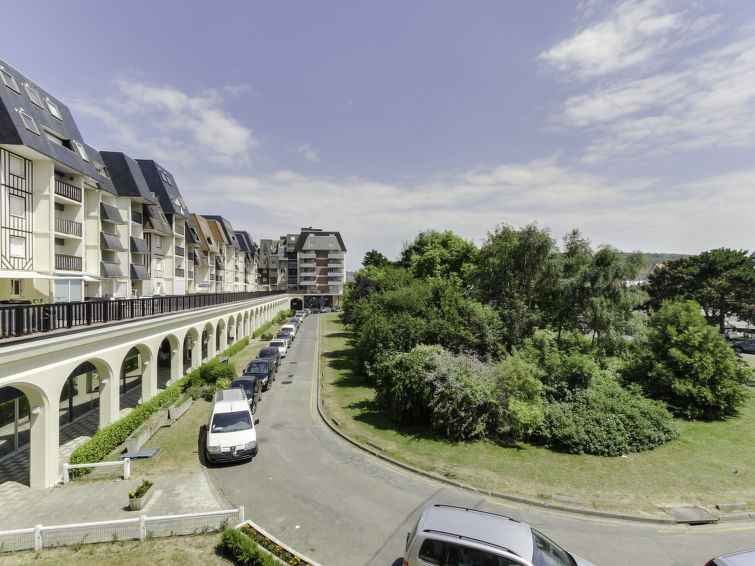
{"type": "Point", "coordinates": [139, 497]}
{"type": "Point", "coordinates": [279, 550]}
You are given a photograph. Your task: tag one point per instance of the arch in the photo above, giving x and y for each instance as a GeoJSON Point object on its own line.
{"type": "Point", "coordinates": [168, 361]}
{"type": "Point", "coordinates": [137, 379]}
{"type": "Point", "coordinates": [192, 351]}
{"type": "Point", "coordinates": [220, 336]}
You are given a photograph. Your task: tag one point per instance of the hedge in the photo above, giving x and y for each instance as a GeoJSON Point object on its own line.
{"type": "Point", "coordinates": [109, 438]}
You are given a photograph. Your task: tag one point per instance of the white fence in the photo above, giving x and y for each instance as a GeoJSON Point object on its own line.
{"type": "Point", "coordinates": [126, 463]}
{"type": "Point", "coordinates": [138, 528]}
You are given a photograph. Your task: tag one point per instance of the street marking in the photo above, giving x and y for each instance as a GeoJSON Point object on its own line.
{"type": "Point", "coordinates": [504, 504]}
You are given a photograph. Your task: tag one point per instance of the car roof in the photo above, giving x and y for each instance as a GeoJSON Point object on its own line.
{"type": "Point", "coordinates": [743, 558]}
{"type": "Point", "coordinates": [481, 526]}
{"type": "Point", "coordinates": [266, 362]}
{"type": "Point", "coordinates": [267, 350]}
{"type": "Point", "coordinates": [239, 380]}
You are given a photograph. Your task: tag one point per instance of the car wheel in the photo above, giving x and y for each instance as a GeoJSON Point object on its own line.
{"type": "Point", "coordinates": [254, 407]}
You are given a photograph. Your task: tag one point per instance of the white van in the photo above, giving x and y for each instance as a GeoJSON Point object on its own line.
{"type": "Point", "coordinates": [230, 430]}
{"type": "Point", "coordinates": [291, 327]}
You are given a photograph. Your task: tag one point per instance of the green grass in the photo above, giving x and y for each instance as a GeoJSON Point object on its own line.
{"type": "Point", "coordinates": [709, 463]}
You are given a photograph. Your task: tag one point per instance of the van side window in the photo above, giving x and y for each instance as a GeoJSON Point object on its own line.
{"type": "Point", "coordinates": [431, 551]}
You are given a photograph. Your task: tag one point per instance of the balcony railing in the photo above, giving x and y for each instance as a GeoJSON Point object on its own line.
{"type": "Point", "coordinates": [27, 320]}
{"type": "Point", "coordinates": [67, 262]}
{"type": "Point", "coordinates": [67, 226]}
{"type": "Point", "coordinates": [69, 191]}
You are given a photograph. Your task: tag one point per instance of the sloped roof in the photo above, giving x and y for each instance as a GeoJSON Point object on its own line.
{"type": "Point", "coordinates": [162, 183]}
{"type": "Point", "coordinates": [230, 234]}
{"type": "Point", "coordinates": [17, 96]}
{"type": "Point", "coordinates": [301, 243]}
{"type": "Point", "coordinates": [203, 230]}
{"type": "Point", "coordinates": [127, 177]}
{"type": "Point", "coordinates": [104, 182]}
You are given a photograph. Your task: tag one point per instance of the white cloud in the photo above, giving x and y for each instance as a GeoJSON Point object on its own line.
{"type": "Point", "coordinates": [308, 152]}
{"type": "Point", "coordinates": [163, 123]}
{"type": "Point", "coordinates": [635, 213]}
{"type": "Point", "coordinates": [635, 33]}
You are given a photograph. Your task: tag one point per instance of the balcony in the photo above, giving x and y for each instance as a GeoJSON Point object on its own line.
{"type": "Point", "coordinates": [180, 251]}
{"type": "Point", "coordinates": [69, 191]}
{"type": "Point", "coordinates": [111, 242]}
{"type": "Point", "coordinates": [307, 255]}
{"type": "Point", "coordinates": [110, 213]}
{"type": "Point", "coordinates": [180, 230]}
{"type": "Point", "coordinates": [64, 226]}
{"type": "Point", "coordinates": [335, 255]}
{"type": "Point", "coordinates": [137, 217]}
{"type": "Point", "coordinates": [139, 272]}
{"type": "Point", "coordinates": [139, 246]}
{"type": "Point", "coordinates": [330, 264]}
{"type": "Point", "coordinates": [67, 262]}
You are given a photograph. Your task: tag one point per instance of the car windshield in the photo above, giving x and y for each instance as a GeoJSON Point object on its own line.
{"type": "Point", "coordinates": [230, 422]}
{"type": "Point", "coordinates": [548, 553]}
{"type": "Point", "coordinates": [256, 368]}
{"type": "Point", "coordinates": [267, 353]}
{"type": "Point", "coordinates": [276, 343]}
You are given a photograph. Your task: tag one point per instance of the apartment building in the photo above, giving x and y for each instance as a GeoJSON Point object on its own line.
{"type": "Point", "coordinates": [249, 254]}
{"type": "Point", "coordinates": [50, 195]}
{"type": "Point", "coordinates": [320, 257]}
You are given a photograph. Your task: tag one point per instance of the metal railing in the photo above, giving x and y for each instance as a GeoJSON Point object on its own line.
{"type": "Point", "coordinates": [139, 528]}
{"type": "Point", "coordinates": [69, 191]}
{"type": "Point", "coordinates": [67, 226]}
{"type": "Point", "coordinates": [67, 262]}
{"type": "Point", "coordinates": [28, 320]}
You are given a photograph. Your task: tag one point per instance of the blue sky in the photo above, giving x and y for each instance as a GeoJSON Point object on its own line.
{"type": "Point", "coordinates": [632, 121]}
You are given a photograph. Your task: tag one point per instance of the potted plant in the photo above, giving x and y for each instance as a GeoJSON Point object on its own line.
{"type": "Point", "coordinates": [139, 497]}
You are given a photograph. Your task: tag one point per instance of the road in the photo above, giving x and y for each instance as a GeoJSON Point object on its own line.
{"type": "Point", "coordinates": [343, 507]}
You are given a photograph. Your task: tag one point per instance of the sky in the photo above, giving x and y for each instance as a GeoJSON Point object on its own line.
{"type": "Point", "coordinates": [633, 121]}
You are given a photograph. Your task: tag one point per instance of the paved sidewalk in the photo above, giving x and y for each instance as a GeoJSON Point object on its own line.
{"type": "Point", "coordinates": [85, 501]}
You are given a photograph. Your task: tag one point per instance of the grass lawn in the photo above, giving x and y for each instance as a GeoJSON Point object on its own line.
{"type": "Point", "coordinates": [709, 463]}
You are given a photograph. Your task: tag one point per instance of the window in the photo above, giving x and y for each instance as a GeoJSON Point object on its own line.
{"type": "Point", "coordinates": [33, 95]}
{"type": "Point", "coordinates": [53, 109]}
{"type": "Point", "coordinates": [16, 205]}
{"type": "Point", "coordinates": [9, 81]}
{"type": "Point", "coordinates": [16, 166]}
{"type": "Point", "coordinates": [29, 122]}
{"type": "Point", "coordinates": [101, 169]}
{"type": "Point", "coordinates": [165, 177]}
{"type": "Point", "coordinates": [158, 263]}
{"type": "Point", "coordinates": [57, 138]}
{"type": "Point", "coordinates": [15, 287]}
{"type": "Point", "coordinates": [158, 242]}
{"type": "Point", "coordinates": [80, 150]}
{"type": "Point", "coordinates": [17, 246]}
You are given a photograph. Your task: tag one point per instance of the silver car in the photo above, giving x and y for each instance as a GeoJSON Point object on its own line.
{"type": "Point", "coordinates": [743, 558]}
{"type": "Point", "coordinates": [455, 536]}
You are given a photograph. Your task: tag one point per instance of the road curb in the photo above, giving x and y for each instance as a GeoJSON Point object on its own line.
{"type": "Point", "coordinates": [498, 495]}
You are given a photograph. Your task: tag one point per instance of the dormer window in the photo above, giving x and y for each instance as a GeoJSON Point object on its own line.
{"type": "Point", "coordinates": [101, 169]}
{"type": "Point", "coordinates": [165, 177]}
{"type": "Point", "coordinates": [57, 138]}
{"type": "Point", "coordinates": [29, 122]}
{"type": "Point", "coordinates": [33, 95]}
{"type": "Point", "coordinates": [80, 150]}
{"type": "Point", "coordinates": [53, 109]}
{"type": "Point", "coordinates": [9, 81]}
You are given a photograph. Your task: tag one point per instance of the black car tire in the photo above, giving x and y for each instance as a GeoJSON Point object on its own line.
{"type": "Point", "coordinates": [254, 407]}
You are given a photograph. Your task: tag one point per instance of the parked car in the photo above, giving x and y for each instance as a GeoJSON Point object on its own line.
{"type": "Point", "coordinates": [268, 353]}
{"type": "Point", "coordinates": [285, 336]}
{"type": "Point", "coordinates": [252, 388]}
{"type": "Point", "coordinates": [327, 309]}
{"type": "Point", "coordinates": [742, 558]}
{"type": "Point", "coordinates": [230, 430]}
{"type": "Point", "coordinates": [315, 310]}
{"type": "Point", "coordinates": [455, 535]}
{"type": "Point", "coordinates": [747, 346]}
{"type": "Point", "coordinates": [280, 344]}
{"type": "Point", "coordinates": [301, 314]}
{"type": "Point", "coordinates": [263, 370]}
{"type": "Point", "coordinates": [291, 327]}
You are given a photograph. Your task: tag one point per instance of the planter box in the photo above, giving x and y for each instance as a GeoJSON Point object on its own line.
{"type": "Point", "coordinates": [141, 435]}
{"type": "Point", "coordinates": [138, 503]}
{"type": "Point", "coordinates": [175, 412]}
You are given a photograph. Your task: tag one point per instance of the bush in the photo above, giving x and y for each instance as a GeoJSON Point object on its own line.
{"type": "Point", "coordinates": [223, 383]}
{"type": "Point", "coordinates": [401, 384]}
{"type": "Point", "coordinates": [243, 550]}
{"type": "Point", "coordinates": [209, 392]}
{"type": "Point", "coordinates": [606, 420]}
{"type": "Point", "coordinates": [261, 330]}
{"type": "Point", "coordinates": [267, 336]}
{"type": "Point", "coordinates": [223, 372]}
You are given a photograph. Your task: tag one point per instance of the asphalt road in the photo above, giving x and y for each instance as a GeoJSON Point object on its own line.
{"type": "Point", "coordinates": [343, 507]}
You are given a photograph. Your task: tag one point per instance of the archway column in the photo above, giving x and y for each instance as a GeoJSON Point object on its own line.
{"type": "Point", "coordinates": [44, 440]}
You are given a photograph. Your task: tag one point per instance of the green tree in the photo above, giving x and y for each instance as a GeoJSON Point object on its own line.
{"type": "Point", "coordinates": [438, 254]}
{"type": "Point", "coordinates": [722, 281]}
{"type": "Point", "coordinates": [375, 258]}
{"type": "Point", "coordinates": [686, 363]}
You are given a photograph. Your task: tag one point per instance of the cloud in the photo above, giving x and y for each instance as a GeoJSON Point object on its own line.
{"type": "Point", "coordinates": [635, 33]}
{"type": "Point", "coordinates": [308, 152]}
{"type": "Point", "coordinates": [166, 124]}
{"type": "Point", "coordinates": [650, 214]}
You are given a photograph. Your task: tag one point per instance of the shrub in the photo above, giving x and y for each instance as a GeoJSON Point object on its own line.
{"type": "Point", "coordinates": [223, 383]}
{"type": "Point", "coordinates": [267, 336]}
{"type": "Point", "coordinates": [261, 330]}
{"type": "Point", "coordinates": [194, 391]}
{"type": "Point", "coordinates": [223, 372]}
{"type": "Point", "coordinates": [401, 384]}
{"type": "Point", "coordinates": [209, 392]}
{"type": "Point", "coordinates": [243, 550]}
{"type": "Point", "coordinates": [606, 420]}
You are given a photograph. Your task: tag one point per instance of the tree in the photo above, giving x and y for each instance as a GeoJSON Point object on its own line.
{"type": "Point", "coordinates": [686, 363]}
{"type": "Point", "coordinates": [374, 258]}
{"type": "Point", "coordinates": [722, 281]}
{"type": "Point", "coordinates": [438, 254]}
